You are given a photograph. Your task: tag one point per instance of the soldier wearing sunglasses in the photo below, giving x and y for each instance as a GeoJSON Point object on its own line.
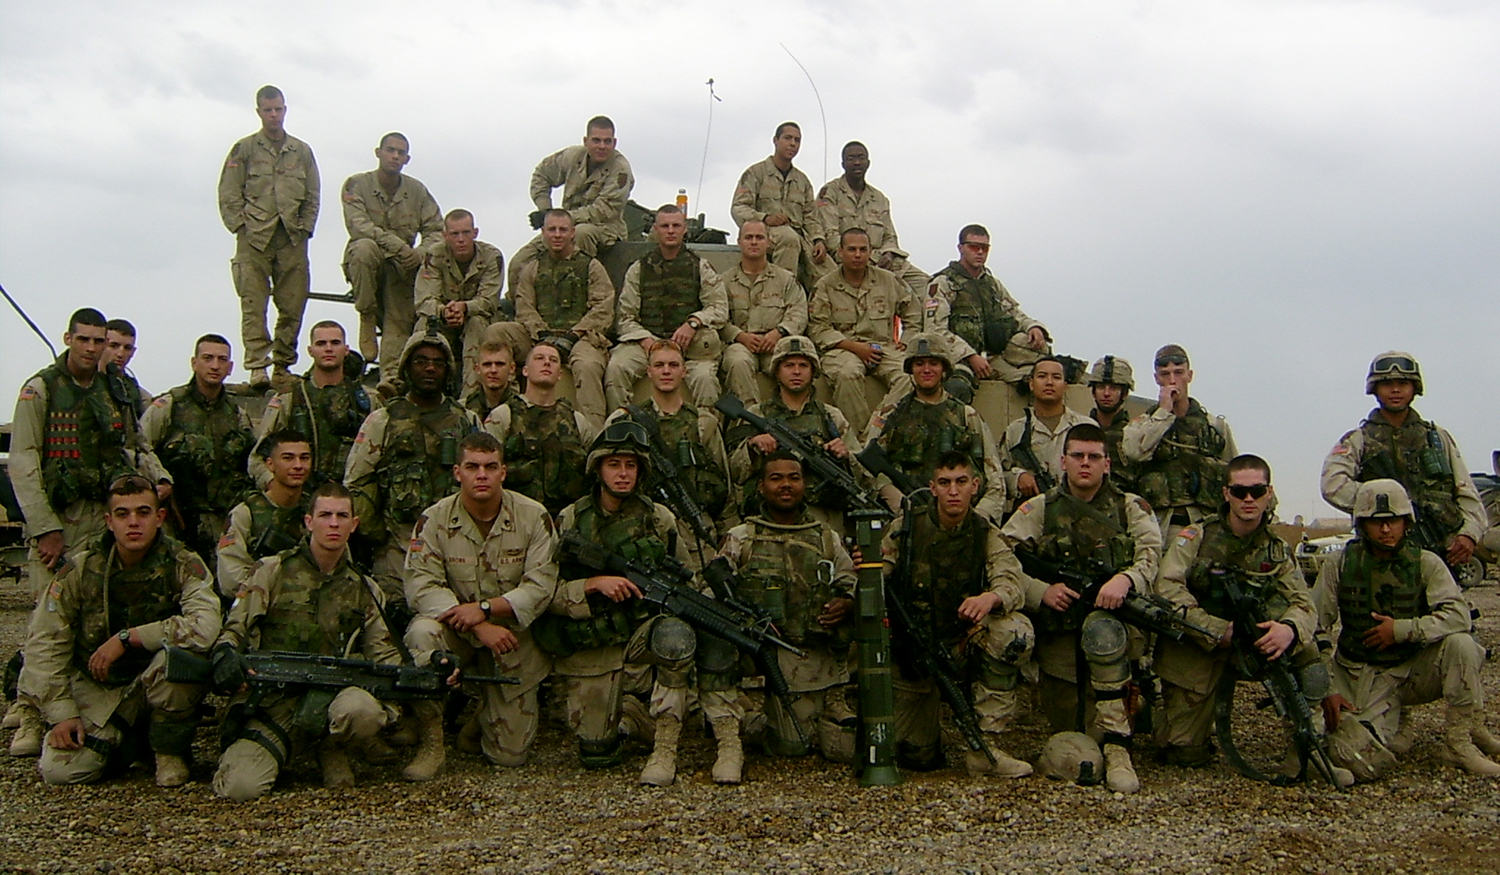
{"type": "Point", "coordinates": [1395, 442]}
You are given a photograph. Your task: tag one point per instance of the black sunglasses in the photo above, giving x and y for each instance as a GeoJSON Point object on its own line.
{"type": "Point", "coordinates": [1259, 490]}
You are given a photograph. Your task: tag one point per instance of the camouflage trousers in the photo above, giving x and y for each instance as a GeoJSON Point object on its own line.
{"type": "Point", "coordinates": [1107, 673]}
{"type": "Point", "coordinates": [277, 273]}
{"type": "Point", "coordinates": [508, 713]}
{"type": "Point", "coordinates": [249, 766]}
{"type": "Point", "coordinates": [1004, 645]}
{"type": "Point", "coordinates": [739, 366]}
{"type": "Point", "coordinates": [1190, 679]}
{"type": "Point", "coordinates": [848, 374]}
{"type": "Point", "coordinates": [108, 711]}
{"type": "Point", "coordinates": [1447, 670]}
{"type": "Point", "coordinates": [385, 293]}
{"type": "Point", "coordinates": [592, 684]}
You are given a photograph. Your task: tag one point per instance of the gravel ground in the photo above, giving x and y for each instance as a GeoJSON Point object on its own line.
{"type": "Point", "coordinates": [789, 817]}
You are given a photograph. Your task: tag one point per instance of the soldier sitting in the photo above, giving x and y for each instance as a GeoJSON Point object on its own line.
{"type": "Point", "coordinates": [204, 439]}
{"type": "Point", "coordinates": [94, 659]}
{"type": "Point", "coordinates": [327, 405]}
{"type": "Point", "coordinates": [566, 297]}
{"type": "Point", "coordinates": [494, 367]}
{"type": "Point", "coordinates": [915, 430]}
{"type": "Point", "coordinates": [267, 522]}
{"type": "Point", "coordinates": [796, 569]}
{"type": "Point", "coordinates": [458, 292]}
{"type": "Point", "coordinates": [1403, 633]}
{"type": "Point", "coordinates": [961, 586]}
{"type": "Point", "coordinates": [1238, 539]}
{"type": "Point", "coordinates": [1086, 525]}
{"type": "Point", "coordinates": [309, 599]}
{"type": "Point", "coordinates": [776, 193]}
{"type": "Point", "coordinates": [766, 303]}
{"type": "Point", "coordinates": [545, 439]}
{"type": "Point", "coordinates": [1031, 448]}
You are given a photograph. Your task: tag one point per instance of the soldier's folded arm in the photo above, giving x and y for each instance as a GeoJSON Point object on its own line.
{"type": "Point", "coordinates": [1143, 433]}
{"type": "Point", "coordinates": [1448, 610]}
{"type": "Point", "coordinates": [198, 624]}
{"type": "Point", "coordinates": [1004, 573]}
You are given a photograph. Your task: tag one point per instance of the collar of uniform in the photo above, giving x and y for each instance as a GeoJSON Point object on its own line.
{"type": "Point", "coordinates": [1413, 418]}
{"type": "Point", "coordinates": [460, 520]}
{"type": "Point", "coordinates": [202, 399]}
{"type": "Point", "coordinates": [289, 144]}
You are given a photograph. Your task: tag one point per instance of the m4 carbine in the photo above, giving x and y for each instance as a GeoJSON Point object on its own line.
{"type": "Point", "coordinates": [1149, 612]}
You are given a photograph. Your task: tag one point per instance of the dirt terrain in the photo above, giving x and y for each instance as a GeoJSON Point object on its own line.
{"type": "Point", "coordinates": [789, 816]}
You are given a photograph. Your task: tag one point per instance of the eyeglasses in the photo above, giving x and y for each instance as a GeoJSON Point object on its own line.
{"type": "Point", "coordinates": [1257, 490]}
{"type": "Point", "coordinates": [1172, 359]}
{"type": "Point", "coordinates": [977, 247]}
{"type": "Point", "coordinates": [422, 361]}
{"type": "Point", "coordinates": [1394, 363]}
{"type": "Point", "coordinates": [1086, 457]}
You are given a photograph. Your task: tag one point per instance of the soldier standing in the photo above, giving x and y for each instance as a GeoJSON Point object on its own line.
{"type": "Point", "coordinates": [545, 439]}
{"type": "Point", "coordinates": [669, 294]}
{"type": "Point", "coordinates": [991, 338]}
{"type": "Point", "coordinates": [403, 458]}
{"type": "Point", "coordinates": [270, 521]}
{"type": "Point", "coordinates": [1110, 382]}
{"type": "Point", "coordinates": [849, 201]}
{"type": "Point", "coordinates": [1083, 522]}
{"type": "Point", "coordinates": [327, 405]}
{"type": "Point", "coordinates": [386, 213]}
{"type": "Point", "coordinates": [765, 304]}
{"type": "Point", "coordinates": [1404, 640]}
{"type": "Point", "coordinates": [308, 599]}
{"type": "Point", "coordinates": [1395, 442]}
{"type": "Point", "coordinates": [918, 429]}
{"type": "Point", "coordinates": [851, 317]}
{"type": "Point", "coordinates": [94, 659]}
{"type": "Point", "coordinates": [268, 198]}
{"type": "Point", "coordinates": [482, 567]}
{"type": "Point", "coordinates": [796, 569]}
{"type": "Point", "coordinates": [1238, 539]}
{"type": "Point", "coordinates": [596, 182]}
{"type": "Point", "coordinates": [494, 367]}
{"type": "Point", "coordinates": [775, 192]}
{"type": "Point", "coordinates": [688, 436]}
{"type": "Point", "coordinates": [1031, 450]}
{"type": "Point", "coordinates": [598, 623]}
{"type": "Point", "coordinates": [204, 440]}
{"type": "Point", "coordinates": [961, 587]}
{"type": "Point", "coordinates": [74, 432]}
{"type": "Point", "coordinates": [567, 298]}
{"type": "Point", "coordinates": [794, 365]}
{"type": "Point", "coordinates": [458, 289]}
{"type": "Point", "coordinates": [1180, 452]}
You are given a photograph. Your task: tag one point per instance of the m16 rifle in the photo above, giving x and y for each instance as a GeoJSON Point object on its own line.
{"type": "Point", "coordinates": [932, 658]}
{"type": "Point", "coordinates": [1282, 686]}
{"type": "Point", "coordinates": [1024, 453]}
{"type": "Point", "coordinates": [667, 481]}
{"type": "Point", "coordinates": [877, 461]}
{"type": "Point", "coordinates": [1151, 613]}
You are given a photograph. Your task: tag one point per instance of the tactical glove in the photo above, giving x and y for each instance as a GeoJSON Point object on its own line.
{"type": "Point", "coordinates": [231, 670]}
{"type": "Point", "coordinates": [536, 218]}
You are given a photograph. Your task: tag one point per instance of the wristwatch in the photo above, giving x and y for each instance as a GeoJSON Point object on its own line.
{"type": "Point", "coordinates": [484, 605]}
{"type": "Point", "coordinates": [694, 323]}
{"type": "Point", "coordinates": [124, 637]}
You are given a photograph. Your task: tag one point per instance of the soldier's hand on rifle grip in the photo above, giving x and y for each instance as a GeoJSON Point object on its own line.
{"type": "Point", "coordinates": [616, 589]}
{"type": "Point", "coordinates": [838, 448]}
{"type": "Point", "coordinates": [1026, 484]}
{"type": "Point", "coordinates": [1112, 594]}
{"type": "Point", "coordinates": [231, 670]}
{"type": "Point", "coordinates": [977, 607]}
{"type": "Point", "coordinates": [763, 443]}
{"type": "Point", "coordinates": [1333, 708]}
{"type": "Point", "coordinates": [1059, 597]}
{"type": "Point", "coordinates": [1461, 550]}
{"type": "Point", "coordinates": [1278, 638]}
{"type": "Point", "coordinates": [1382, 635]}
{"type": "Point", "coordinates": [441, 661]}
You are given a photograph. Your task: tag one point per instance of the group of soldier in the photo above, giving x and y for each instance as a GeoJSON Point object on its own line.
{"type": "Point", "coordinates": [457, 522]}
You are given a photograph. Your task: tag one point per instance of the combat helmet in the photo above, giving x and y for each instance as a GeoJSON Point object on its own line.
{"type": "Point", "coordinates": [1072, 756]}
{"type": "Point", "coordinates": [1381, 499]}
{"type": "Point", "coordinates": [622, 437]}
{"type": "Point", "coordinates": [1114, 371]}
{"type": "Point", "coordinates": [420, 340]}
{"type": "Point", "coordinates": [796, 344]}
{"type": "Point", "coordinates": [1393, 365]}
{"type": "Point", "coordinates": [927, 345]}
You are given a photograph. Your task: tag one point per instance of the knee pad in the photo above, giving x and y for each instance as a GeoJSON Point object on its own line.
{"type": "Point", "coordinates": [600, 754]}
{"type": "Point", "coordinates": [1104, 640]}
{"type": "Point", "coordinates": [241, 772]}
{"type": "Point", "coordinates": [672, 640]}
{"type": "Point", "coordinates": [1315, 681]}
{"type": "Point", "coordinates": [920, 757]}
{"type": "Point", "coordinates": [997, 674]}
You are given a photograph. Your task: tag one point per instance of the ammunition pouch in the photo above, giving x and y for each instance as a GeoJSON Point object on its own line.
{"type": "Point", "coordinates": [609, 623]}
{"type": "Point", "coordinates": [311, 715]}
{"type": "Point", "coordinates": [172, 737]}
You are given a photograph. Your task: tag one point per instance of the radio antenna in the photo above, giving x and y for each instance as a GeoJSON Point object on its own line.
{"type": "Point", "coordinates": [821, 113]}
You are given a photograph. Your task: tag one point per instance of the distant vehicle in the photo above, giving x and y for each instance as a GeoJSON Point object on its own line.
{"type": "Point", "coordinates": [1312, 553]}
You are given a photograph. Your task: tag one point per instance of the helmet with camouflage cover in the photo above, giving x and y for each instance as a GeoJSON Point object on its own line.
{"type": "Point", "coordinates": [1072, 756]}
{"type": "Point", "coordinates": [927, 345]}
{"type": "Point", "coordinates": [1377, 499]}
{"type": "Point", "coordinates": [796, 344]}
{"type": "Point", "coordinates": [417, 341]}
{"type": "Point", "coordinates": [1114, 371]}
{"type": "Point", "coordinates": [1393, 365]}
{"type": "Point", "coordinates": [622, 437]}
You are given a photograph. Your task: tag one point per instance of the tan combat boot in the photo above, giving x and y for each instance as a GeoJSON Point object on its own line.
{"type": "Point", "coordinates": [13, 715]}
{"type": "Point", "coordinates": [661, 769]}
{"type": "Point", "coordinates": [1460, 737]}
{"type": "Point", "coordinates": [335, 762]}
{"type": "Point", "coordinates": [635, 720]}
{"type": "Point", "coordinates": [367, 345]}
{"type": "Point", "coordinates": [1485, 740]}
{"type": "Point", "coordinates": [171, 770]}
{"type": "Point", "coordinates": [1119, 772]}
{"type": "Point", "coordinates": [1004, 766]}
{"type": "Point", "coordinates": [430, 754]}
{"type": "Point", "coordinates": [730, 764]}
{"type": "Point", "coordinates": [27, 742]}
{"type": "Point", "coordinates": [470, 737]}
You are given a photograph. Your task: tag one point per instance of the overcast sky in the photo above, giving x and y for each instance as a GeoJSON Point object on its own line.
{"type": "Point", "coordinates": [1285, 188]}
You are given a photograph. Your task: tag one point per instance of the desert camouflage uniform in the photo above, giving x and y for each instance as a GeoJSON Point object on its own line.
{"type": "Point", "coordinates": [762, 191]}
{"type": "Point", "coordinates": [594, 197]}
{"type": "Point", "coordinates": [696, 446]}
{"type": "Point", "coordinates": [838, 311]}
{"type": "Point", "coordinates": [1046, 443]}
{"type": "Point", "coordinates": [450, 563]}
{"type": "Point", "coordinates": [290, 605]}
{"type": "Point", "coordinates": [841, 209]}
{"type": "Point", "coordinates": [915, 433]}
{"type": "Point", "coordinates": [442, 280]}
{"type": "Point", "coordinates": [257, 528]}
{"type": "Point", "coordinates": [167, 598]}
{"type": "Point", "coordinates": [978, 316]}
{"type": "Point", "coordinates": [1181, 464]}
{"type": "Point", "coordinates": [771, 299]}
{"type": "Point", "coordinates": [819, 423]}
{"type": "Point", "coordinates": [268, 199]}
{"type": "Point", "coordinates": [654, 305]}
{"type": "Point", "coordinates": [328, 416]}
